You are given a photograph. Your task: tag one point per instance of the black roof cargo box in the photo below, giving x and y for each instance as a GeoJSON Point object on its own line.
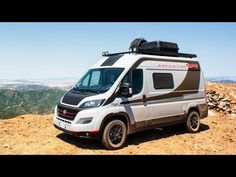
{"type": "Point", "coordinates": [163, 48]}
{"type": "Point", "coordinates": [158, 46]}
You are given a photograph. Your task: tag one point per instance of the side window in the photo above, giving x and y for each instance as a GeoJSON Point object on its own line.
{"type": "Point", "coordinates": [126, 79]}
{"type": "Point", "coordinates": [137, 80]}
{"type": "Point", "coordinates": [163, 80]}
{"type": "Point", "coordinates": [111, 76]}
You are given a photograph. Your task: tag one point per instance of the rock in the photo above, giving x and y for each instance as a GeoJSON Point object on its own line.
{"type": "Point", "coordinates": [211, 104]}
{"type": "Point", "coordinates": [211, 91]}
{"type": "Point", "coordinates": [225, 99]}
{"type": "Point", "coordinates": [229, 111]}
{"type": "Point", "coordinates": [223, 103]}
{"type": "Point", "coordinates": [7, 146]}
{"type": "Point", "coordinates": [231, 140]}
{"type": "Point", "coordinates": [218, 102]}
{"type": "Point", "coordinates": [215, 97]}
{"type": "Point", "coordinates": [215, 103]}
{"type": "Point", "coordinates": [214, 122]}
{"type": "Point", "coordinates": [221, 96]}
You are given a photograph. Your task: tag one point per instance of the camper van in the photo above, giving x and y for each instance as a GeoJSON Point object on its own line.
{"type": "Point", "coordinates": [151, 85]}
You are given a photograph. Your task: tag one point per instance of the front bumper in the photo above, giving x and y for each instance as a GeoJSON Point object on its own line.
{"type": "Point", "coordinates": [73, 127]}
{"type": "Point", "coordinates": [84, 121]}
{"type": "Point", "coordinates": [89, 134]}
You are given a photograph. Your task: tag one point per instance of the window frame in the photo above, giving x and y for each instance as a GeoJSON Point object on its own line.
{"type": "Point", "coordinates": [163, 88]}
{"type": "Point", "coordinates": [130, 79]}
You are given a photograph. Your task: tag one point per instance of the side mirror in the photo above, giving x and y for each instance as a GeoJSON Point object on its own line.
{"type": "Point", "coordinates": [126, 90]}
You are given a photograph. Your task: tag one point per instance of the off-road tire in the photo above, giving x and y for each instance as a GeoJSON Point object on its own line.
{"type": "Point", "coordinates": [192, 123]}
{"type": "Point", "coordinates": [114, 135]}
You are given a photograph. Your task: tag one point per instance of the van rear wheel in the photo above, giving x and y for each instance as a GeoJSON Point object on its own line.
{"type": "Point", "coordinates": [114, 135]}
{"type": "Point", "coordinates": [192, 124]}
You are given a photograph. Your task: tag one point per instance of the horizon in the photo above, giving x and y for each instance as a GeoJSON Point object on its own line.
{"type": "Point", "coordinates": [30, 51]}
{"type": "Point", "coordinates": [76, 79]}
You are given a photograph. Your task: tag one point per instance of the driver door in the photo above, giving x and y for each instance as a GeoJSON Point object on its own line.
{"type": "Point", "coordinates": [136, 105]}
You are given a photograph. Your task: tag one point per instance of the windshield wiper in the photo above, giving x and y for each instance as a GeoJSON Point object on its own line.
{"type": "Point", "coordinates": [88, 90]}
{"type": "Point", "coordinates": [94, 91]}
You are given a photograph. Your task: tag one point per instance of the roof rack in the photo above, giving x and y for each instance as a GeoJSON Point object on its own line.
{"type": "Point", "coordinates": [141, 46]}
{"type": "Point", "coordinates": [160, 53]}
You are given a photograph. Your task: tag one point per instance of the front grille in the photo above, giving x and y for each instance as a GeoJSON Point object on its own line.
{"type": "Point", "coordinates": [63, 120]}
{"type": "Point", "coordinates": [66, 113]}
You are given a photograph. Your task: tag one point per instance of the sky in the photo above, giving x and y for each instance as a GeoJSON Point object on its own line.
{"type": "Point", "coordinates": [67, 50]}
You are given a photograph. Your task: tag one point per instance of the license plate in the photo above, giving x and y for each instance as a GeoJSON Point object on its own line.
{"type": "Point", "coordinates": [62, 125]}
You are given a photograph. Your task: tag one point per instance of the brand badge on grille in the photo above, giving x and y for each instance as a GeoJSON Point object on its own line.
{"type": "Point", "coordinates": [64, 111]}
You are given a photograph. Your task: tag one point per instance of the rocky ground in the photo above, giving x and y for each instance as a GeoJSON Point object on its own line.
{"type": "Point", "coordinates": [35, 134]}
{"type": "Point", "coordinates": [222, 98]}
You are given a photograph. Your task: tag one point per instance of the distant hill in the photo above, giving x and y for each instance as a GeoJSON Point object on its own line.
{"type": "Point", "coordinates": [34, 84]}
{"type": "Point", "coordinates": [36, 99]}
{"type": "Point", "coordinates": [22, 86]}
{"type": "Point", "coordinates": [226, 79]}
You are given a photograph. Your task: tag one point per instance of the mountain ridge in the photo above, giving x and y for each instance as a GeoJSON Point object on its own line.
{"type": "Point", "coordinates": [19, 102]}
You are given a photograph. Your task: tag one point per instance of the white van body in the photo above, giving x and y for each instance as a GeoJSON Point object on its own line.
{"type": "Point", "coordinates": [156, 104]}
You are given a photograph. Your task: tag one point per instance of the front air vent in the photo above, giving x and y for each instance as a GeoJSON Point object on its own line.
{"type": "Point", "coordinates": [66, 113]}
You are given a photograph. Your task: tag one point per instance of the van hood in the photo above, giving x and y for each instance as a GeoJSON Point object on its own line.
{"type": "Point", "coordinates": [73, 97]}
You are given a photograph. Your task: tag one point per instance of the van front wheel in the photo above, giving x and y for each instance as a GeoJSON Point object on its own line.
{"type": "Point", "coordinates": [114, 135]}
{"type": "Point", "coordinates": [193, 122]}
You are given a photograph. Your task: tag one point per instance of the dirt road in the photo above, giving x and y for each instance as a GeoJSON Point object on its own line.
{"type": "Point", "coordinates": [35, 134]}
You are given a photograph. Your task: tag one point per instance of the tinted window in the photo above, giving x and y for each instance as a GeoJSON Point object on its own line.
{"type": "Point", "coordinates": [137, 80]}
{"type": "Point", "coordinates": [163, 81]}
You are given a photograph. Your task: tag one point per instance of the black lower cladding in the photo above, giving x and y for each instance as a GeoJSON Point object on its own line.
{"type": "Point", "coordinates": [157, 123]}
{"type": "Point", "coordinates": [74, 98]}
{"type": "Point", "coordinates": [203, 110]}
{"type": "Point", "coordinates": [79, 134]}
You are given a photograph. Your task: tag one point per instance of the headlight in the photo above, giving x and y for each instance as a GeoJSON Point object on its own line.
{"type": "Point", "coordinates": [92, 104]}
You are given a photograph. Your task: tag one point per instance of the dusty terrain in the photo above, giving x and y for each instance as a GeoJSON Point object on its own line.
{"type": "Point", "coordinates": [35, 134]}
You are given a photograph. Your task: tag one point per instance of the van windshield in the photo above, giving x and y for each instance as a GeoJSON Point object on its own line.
{"type": "Point", "coordinates": [98, 80]}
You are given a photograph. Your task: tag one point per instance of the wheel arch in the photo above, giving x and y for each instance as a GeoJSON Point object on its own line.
{"type": "Point", "coordinates": [194, 108]}
{"type": "Point", "coordinates": [112, 116]}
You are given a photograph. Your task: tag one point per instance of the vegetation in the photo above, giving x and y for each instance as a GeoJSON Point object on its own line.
{"type": "Point", "coordinates": [19, 102]}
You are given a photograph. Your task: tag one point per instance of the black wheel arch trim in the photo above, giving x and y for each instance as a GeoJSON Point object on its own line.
{"type": "Point", "coordinates": [198, 109]}
{"type": "Point", "coordinates": [112, 115]}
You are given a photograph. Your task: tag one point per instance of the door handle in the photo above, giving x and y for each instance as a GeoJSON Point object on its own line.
{"type": "Point", "coordinates": [144, 98]}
